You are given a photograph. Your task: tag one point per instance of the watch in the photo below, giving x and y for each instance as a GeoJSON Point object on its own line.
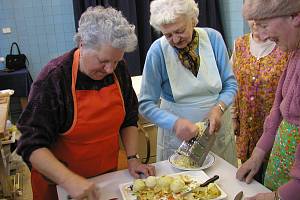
{"type": "Point", "coordinates": [221, 107]}
{"type": "Point", "coordinates": [136, 156]}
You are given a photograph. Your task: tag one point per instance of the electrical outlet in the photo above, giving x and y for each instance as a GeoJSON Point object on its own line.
{"type": "Point", "coordinates": [6, 30]}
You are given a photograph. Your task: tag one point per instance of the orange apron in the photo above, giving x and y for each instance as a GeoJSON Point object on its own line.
{"type": "Point", "coordinates": [90, 147]}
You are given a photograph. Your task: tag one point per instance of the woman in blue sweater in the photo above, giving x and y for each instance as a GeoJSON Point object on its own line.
{"type": "Point", "coordinates": [188, 70]}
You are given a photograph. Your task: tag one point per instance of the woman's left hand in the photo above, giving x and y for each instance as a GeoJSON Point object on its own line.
{"type": "Point", "coordinates": [262, 196]}
{"type": "Point", "coordinates": [135, 168]}
{"type": "Point", "coordinates": [214, 118]}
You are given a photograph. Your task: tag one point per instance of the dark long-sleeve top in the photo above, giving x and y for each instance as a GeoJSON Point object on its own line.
{"type": "Point", "coordinates": [50, 109]}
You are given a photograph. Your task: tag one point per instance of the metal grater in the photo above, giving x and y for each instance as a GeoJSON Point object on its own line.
{"type": "Point", "coordinates": [198, 147]}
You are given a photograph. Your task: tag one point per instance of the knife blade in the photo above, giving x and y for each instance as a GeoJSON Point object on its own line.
{"type": "Point", "coordinates": [239, 196]}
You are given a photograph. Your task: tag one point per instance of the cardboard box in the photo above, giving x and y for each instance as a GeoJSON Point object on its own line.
{"type": "Point", "coordinates": [4, 107]}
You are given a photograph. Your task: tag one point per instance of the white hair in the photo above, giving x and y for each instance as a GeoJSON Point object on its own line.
{"type": "Point", "coordinates": [166, 11]}
{"type": "Point", "coordinates": [99, 25]}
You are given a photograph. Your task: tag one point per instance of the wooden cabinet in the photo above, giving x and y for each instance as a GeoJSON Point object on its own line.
{"type": "Point", "coordinates": [146, 143]}
{"type": "Point", "coordinates": [147, 132]}
{"type": "Point", "coordinates": [147, 140]}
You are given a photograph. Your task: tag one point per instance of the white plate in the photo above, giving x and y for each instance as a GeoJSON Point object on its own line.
{"type": "Point", "coordinates": [199, 176]}
{"type": "Point", "coordinates": [209, 161]}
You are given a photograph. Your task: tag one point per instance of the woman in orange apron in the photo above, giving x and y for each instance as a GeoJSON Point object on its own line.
{"type": "Point", "coordinates": [89, 145]}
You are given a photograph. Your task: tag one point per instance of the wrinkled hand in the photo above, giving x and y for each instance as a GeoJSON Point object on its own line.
{"type": "Point", "coordinates": [184, 129]}
{"type": "Point", "coordinates": [80, 188]}
{"type": "Point", "coordinates": [236, 126]}
{"type": "Point", "coordinates": [262, 196]}
{"type": "Point", "coordinates": [214, 118]}
{"type": "Point", "coordinates": [135, 168]}
{"type": "Point", "coordinates": [251, 166]}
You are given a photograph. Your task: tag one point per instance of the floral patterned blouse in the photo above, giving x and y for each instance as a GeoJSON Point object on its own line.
{"type": "Point", "coordinates": [257, 79]}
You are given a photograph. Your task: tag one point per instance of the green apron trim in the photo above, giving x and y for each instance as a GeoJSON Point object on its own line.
{"type": "Point", "coordinates": [282, 156]}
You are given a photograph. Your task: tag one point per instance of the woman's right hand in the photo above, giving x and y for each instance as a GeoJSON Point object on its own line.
{"type": "Point", "coordinates": [80, 188]}
{"type": "Point", "coordinates": [76, 186]}
{"type": "Point", "coordinates": [184, 129]}
{"type": "Point", "coordinates": [248, 170]}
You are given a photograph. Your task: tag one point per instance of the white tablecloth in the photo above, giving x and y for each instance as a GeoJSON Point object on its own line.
{"type": "Point", "coordinates": [109, 183]}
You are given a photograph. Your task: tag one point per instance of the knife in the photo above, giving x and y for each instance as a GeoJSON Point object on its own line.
{"type": "Point", "coordinates": [211, 180]}
{"type": "Point", "coordinates": [239, 196]}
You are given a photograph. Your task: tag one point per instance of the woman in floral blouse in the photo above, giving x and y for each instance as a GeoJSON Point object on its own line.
{"type": "Point", "coordinates": [257, 64]}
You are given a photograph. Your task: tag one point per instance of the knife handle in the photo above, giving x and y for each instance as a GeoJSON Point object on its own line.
{"type": "Point", "coordinates": [211, 180]}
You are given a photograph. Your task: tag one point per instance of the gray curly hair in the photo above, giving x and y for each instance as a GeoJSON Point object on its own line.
{"type": "Point", "coordinates": [99, 25]}
{"type": "Point", "coordinates": [166, 11]}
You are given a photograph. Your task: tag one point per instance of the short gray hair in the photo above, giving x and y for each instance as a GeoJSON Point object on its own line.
{"type": "Point", "coordinates": [166, 11]}
{"type": "Point", "coordinates": [99, 25]}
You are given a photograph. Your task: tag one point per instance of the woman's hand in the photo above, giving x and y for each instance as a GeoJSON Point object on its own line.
{"type": "Point", "coordinates": [251, 166]}
{"type": "Point", "coordinates": [135, 168]}
{"type": "Point", "coordinates": [184, 129]}
{"type": "Point", "coordinates": [76, 186]}
{"type": "Point", "coordinates": [262, 196]}
{"type": "Point", "coordinates": [214, 118]}
{"type": "Point", "coordinates": [80, 188]}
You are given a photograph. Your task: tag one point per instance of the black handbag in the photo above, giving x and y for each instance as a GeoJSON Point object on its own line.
{"type": "Point", "coordinates": [15, 61]}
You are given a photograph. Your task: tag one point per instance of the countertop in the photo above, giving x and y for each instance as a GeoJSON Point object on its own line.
{"type": "Point", "coordinates": [109, 183]}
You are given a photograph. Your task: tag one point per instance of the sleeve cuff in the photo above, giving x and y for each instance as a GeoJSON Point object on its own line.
{"type": "Point", "coordinates": [289, 190]}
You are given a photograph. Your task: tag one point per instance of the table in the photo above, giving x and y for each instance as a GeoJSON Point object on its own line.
{"type": "Point", "coordinates": [19, 81]}
{"type": "Point", "coordinates": [109, 182]}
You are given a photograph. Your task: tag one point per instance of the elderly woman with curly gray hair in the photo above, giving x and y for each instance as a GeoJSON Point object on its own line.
{"type": "Point", "coordinates": [187, 69]}
{"type": "Point", "coordinates": [78, 106]}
